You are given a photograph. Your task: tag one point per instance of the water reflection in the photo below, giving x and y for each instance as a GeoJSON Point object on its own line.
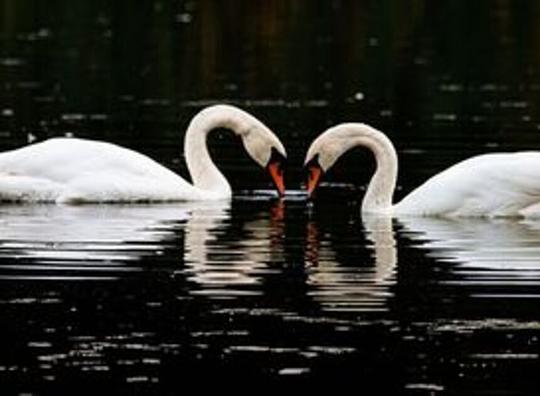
{"type": "Point", "coordinates": [221, 261]}
{"type": "Point", "coordinates": [263, 287]}
{"type": "Point", "coordinates": [347, 283]}
{"type": "Point", "coordinates": [347, 267]}
{"type": "Point", "coordinates": [497, 257]}
{"type": "Point", "coordinates": [81, 242]}
{"type": "Point", "coordinates": [84, 242]}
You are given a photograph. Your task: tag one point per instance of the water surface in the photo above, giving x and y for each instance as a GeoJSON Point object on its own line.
{"type": "Point", "coordinates": [145, 297]}
{"type": "Point", "coordinates": [142, 299]}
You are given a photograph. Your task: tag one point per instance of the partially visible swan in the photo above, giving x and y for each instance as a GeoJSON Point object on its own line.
{"type": "Point", "coordinates": [490, 185]}
{"type": "Point", "coordinates": [69, 170]}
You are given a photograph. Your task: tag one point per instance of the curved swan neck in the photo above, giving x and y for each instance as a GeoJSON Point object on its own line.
{"type": "Point", "coordinates": [204, 173]}
{"type": "Point", "coordinates": [378, 197]}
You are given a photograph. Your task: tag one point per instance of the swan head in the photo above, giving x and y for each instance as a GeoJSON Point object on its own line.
{"type": "Point", "coordinates": [323, 153]}
{"type": "Point", "coordinates": [335, 141]}
{"type": "Point", "coordinates": [264, 147]}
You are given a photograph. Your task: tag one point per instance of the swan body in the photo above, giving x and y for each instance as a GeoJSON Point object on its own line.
{"type": "Point", "coordinates": [70, 170]}
{"type": "Point", "coordinates": [488, 185]}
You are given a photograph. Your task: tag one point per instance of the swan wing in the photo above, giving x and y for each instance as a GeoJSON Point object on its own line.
{"type": "Point", "coordinates": [70, 170]}
{"type": "Point", "coordinates": [501, 184]}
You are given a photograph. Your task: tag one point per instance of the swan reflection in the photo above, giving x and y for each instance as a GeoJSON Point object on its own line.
{"type": "Point", "coordinates": [217, 259]}
{"type": "Point", "coordinates": [51, 241]}
{"type": "Point", "coordinates": [198, 239]}
{"type": "Point", "coordinates": [487, 252]}
{"type": "Point", "coordinates": [86, 226]}
{"type": "Point", "coordinates": [352, 285]}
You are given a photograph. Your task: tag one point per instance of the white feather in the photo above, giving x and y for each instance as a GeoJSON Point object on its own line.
{"type": "Point", "coordinates": [501, 184]}
{"type": "Point", "coordinates": [77, 170]}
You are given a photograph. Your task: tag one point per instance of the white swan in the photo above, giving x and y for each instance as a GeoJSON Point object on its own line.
{"type": "Point", "coordinates": [69, 170]}
{"type": "Point", "coordinates": [490, 185]}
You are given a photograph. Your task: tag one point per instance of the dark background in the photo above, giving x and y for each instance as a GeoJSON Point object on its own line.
{"type": "Point", "coordinates": [444, 79]}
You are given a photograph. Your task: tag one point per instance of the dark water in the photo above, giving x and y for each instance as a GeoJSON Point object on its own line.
{"type": "Point", "coordinates": [144, 299]}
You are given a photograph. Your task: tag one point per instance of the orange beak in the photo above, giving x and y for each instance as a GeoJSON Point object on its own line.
{"type": "Point", "coordinates": [274, 168]}
{"type": "Point", "coordinates": [314, 175]}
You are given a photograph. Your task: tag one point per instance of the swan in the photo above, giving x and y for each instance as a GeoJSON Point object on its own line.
{"type": "Point", "coordinates": [71, 170]}
{"type": "Point", "coordinates": [488, 185]}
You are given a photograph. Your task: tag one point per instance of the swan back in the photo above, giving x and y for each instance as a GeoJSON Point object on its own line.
{"type": "Point", "coordinates": [488, 185]}
{"type": "Point", "coordinates": [79, 170]}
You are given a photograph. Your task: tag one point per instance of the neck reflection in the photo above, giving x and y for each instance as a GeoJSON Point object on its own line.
{"type": "Point", "coordinates": [348, 274]}
{"type": "Point", "coordinates": [225, 256]}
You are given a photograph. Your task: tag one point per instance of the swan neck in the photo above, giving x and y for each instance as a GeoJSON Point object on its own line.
{"type": "Point", "coordinates": [378, 197]}
{"type": "Point", "coordinates": [203, 171]}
